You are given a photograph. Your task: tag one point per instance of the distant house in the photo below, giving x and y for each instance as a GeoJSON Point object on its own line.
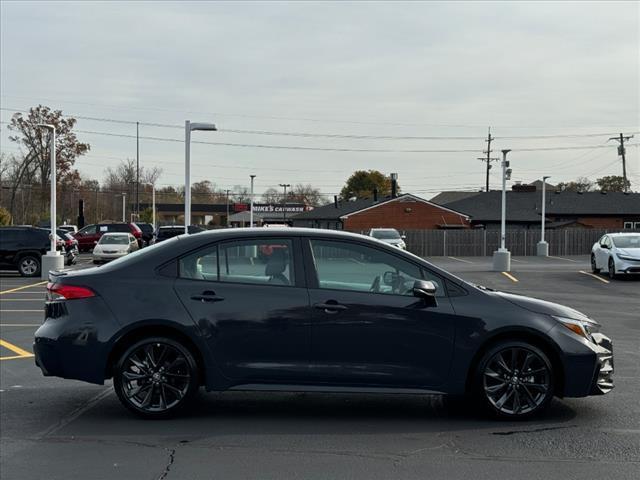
{"type": "Point", "coordinates": [614, 210]}
{"type": "Point", "coordinates": [404, 212]}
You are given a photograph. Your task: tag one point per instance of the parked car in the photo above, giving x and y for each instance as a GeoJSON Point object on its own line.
{"type": "Point", "coordinates": [199, 310]}
{"type": "Point", "coordinates": [70, 244]}
{"type": "Point", "coordinates": [21, 249]}
{"type": "Point", "coordinates": [69, 228]}
{"type": "Point", "coordinates": [617, 253]}
{"type": "Point", "coordinates": [114, 245]}
{"type": "Point", "coordinates": [170, 231]}
{"type": "Point", "coordinates": [147, 232]}
{"type": "Point", "coordinates": [390, 236]}
{"type": "Point", "coordinates": [89, 235]}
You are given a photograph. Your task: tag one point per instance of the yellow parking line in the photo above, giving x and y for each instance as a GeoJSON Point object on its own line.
{"type": "Point", "coordinates": [23, 287]}
{"type": "Point", "coordinates": [19, 353]}
{"type": "Point", "coordinates": [459, 259]}
{"type": "Point", "coordinates": [562, 258]}
{"type": "Point", "coordinates": [595, 276]}
{"type": "Point", "coordinates": [510, 277]}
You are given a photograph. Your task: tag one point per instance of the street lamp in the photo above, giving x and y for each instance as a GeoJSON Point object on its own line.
{"type": "Point", "coordinates": [251, 203]}
{"type": "Point", "coordinates": [188, 128]}
{"type": "Point", "coordinates": [542, 248]}
{"type": "Point", "coordinates": [52, 260]}
{"type": "Point", "coordinates": [124, 196]}
{"type": "Point", "coordinates": [284, 201]}
{"type": "Point", "coordinates": [502, 257]}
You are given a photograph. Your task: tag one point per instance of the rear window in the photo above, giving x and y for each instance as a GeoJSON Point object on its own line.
{"type": "Point", "coordinates": [385, 234]}
{"type": "Point", "coordinates": [118, 227]}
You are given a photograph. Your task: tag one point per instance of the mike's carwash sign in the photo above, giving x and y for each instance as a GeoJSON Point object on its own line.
{"type": "Point", "coordinates": [272, 208]}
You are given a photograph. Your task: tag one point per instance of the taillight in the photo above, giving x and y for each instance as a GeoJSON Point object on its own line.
{"type": "Point", "coordinates": [58, 291]}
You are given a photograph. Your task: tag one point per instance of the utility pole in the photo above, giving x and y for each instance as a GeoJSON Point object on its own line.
{"type": "Point", "coordinates": [227, 221]}
{"type": "Point", "coordinates": [137, 171]}
{"type": "Point", "coordinates": [251, 203]}
{"type": "Point", "coordinates": [621, 152]}
{"type": "Point", "coordinates": [284, 201]}
{"type": "Point", "coordinates": [488, 159]}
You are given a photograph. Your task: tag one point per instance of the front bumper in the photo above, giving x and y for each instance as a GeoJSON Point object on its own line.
{"type": "Point", "coordinates": [603, 378]}
{"type": "Point", "coordinates": [627, 266]}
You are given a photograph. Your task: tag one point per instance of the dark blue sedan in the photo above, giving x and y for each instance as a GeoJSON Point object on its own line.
{"type": "Point", "coordinates": [310, 310]}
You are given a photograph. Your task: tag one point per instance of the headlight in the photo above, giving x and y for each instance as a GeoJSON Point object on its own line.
{"type": "Point", "coordinates": [584, 328]}
{"type": "Point", "coordinates": [625, 257]}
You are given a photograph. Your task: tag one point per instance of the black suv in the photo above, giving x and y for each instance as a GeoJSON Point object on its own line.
{"type": "Point", "coordinates": [170, 231]}
{"type": "Point", "coordinates": [21, 248]}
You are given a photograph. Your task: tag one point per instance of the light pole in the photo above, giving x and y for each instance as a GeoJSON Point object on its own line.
{"type": "Point", "coordinates": [52, 260]}
{"type": "Point", "coordinates": [188, 128]}
{"type": "Point", "coordinates": [542, 249]}
{"type": "Point", "coordinates": [502, 257]}
{"type": "Point", "coordinates": [284, 200]}
{"type": "Point", "coordinates": [124, 197]}
{"type": "Point", "coordinates": [227, 221]}
{"type": "Point", "coordinates": [251, 203]}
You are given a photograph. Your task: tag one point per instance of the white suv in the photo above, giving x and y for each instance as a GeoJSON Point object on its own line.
{"type": "Point", "coordinates": [618, 253]}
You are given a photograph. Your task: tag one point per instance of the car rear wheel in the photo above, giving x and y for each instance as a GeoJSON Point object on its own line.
{"type": "Point", "coordinates": [612, 269]}
{"type": "Point", "coordinates": [515, 380]}
{"type": "Point", "coordinates": [156, 377]}
{"type": "Point", "coordinates": [594, 267]}
{"type": "Point", "coordinates": [29, 266]}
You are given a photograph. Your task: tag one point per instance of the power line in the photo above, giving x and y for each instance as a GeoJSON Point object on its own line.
{"type": "Point", "coordinates": [331, 135]}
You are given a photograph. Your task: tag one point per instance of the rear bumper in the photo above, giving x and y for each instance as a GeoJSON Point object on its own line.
{"type": "Point", "coordinates": [74, 339]}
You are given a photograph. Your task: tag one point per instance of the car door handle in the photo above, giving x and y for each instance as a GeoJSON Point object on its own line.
{"type": "Point", "coordinates": [330, 307]}
{"type": "Point", "coordinates": [207, 296]}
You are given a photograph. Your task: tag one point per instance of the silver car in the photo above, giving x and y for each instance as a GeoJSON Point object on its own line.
{"type": "Point", "coordinates": [617, 253]}
{"type": "Point", "coordinates": [114, 245]}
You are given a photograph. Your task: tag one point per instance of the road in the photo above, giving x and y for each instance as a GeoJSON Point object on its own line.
{"type": "Point", "coordinates": [61, 429]}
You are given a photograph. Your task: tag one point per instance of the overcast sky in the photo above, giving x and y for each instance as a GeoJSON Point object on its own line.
{"type": "Point", "coordinates": [364, 69]}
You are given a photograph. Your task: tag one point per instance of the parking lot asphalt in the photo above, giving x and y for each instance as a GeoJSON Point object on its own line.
{"type": "Point", "coordinates": [62, 429]}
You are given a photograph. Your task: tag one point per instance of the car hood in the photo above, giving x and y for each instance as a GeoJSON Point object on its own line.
{"type": "Point", "coordinates": [542, 306]}
{"type": "Point", "coordinates": [632, 252]}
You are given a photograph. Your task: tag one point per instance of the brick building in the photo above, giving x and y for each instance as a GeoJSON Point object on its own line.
{"type": "Point", "coordinates": [405, 212]}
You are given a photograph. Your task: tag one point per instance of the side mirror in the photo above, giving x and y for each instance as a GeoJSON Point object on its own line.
{"type": "Point", "coordinates": [389, 278]}
{"type": "Point", "coordinates": [426, 290]}
{"type": "Point", "coordinates": [403, 237]}
{"type": "Point", "coordinates": [602, 245]}
{"type": "Point", "coordinates": [95, 242]}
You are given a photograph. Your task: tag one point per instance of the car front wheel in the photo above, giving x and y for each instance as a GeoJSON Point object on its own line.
{"type": "Point", "coordinates": [29, 266]}
{"type": "Point", "coordinates": [612, 269]}
{"type": "Point", "coordinates": [594, 267]}
{"type": "Point", "coordinates": [515, 380]}
{"type": "Point", "coordinates": [156, 377]}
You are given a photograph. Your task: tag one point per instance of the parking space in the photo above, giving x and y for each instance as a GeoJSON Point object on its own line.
{"type": "Point", "coordinates": [45, 421]}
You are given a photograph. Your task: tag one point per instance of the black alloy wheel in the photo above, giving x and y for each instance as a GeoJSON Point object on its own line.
{"type": "Point", "coordinates": [516, 380]}
{"type": "Point", "coordinates": [612, 269]}
{"type": "Point", "coordinates": [29, 266]}
{"type": "Point", "coordinates": [156, 377]}
{"type": "Point", "coordinates": [594, 268]}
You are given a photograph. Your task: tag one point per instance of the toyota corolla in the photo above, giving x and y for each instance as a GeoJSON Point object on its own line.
{"type": "Point", "coordinates": [326, 311]}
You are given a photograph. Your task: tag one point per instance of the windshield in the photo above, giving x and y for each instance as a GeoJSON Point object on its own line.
{"type": "Point", "coordinates": [114, 240]}
{"type": "Point", "coordinates": [628, 241]}
{"type": "Point", "coordinates": [385, 234]}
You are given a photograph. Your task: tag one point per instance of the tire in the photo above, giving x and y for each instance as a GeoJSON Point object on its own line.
{"type": "Point", "coordinates": [29, 266]}
{"type": "Point", "coordinates": [594, 269]}
{"type": "Point", "coordinates": [612, 269]}
{"type": "Point", "coordinates": [156, 377]}
{"type": "Point", "coordinates": [502, 389]}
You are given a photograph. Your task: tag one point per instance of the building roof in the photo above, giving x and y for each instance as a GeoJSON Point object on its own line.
{"type": "Point", "coordinates": [526, 206]}
{"type": "Point", "coordinates": [346, 208]}
{"type": "Point", "coordinates": [451, 196]}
